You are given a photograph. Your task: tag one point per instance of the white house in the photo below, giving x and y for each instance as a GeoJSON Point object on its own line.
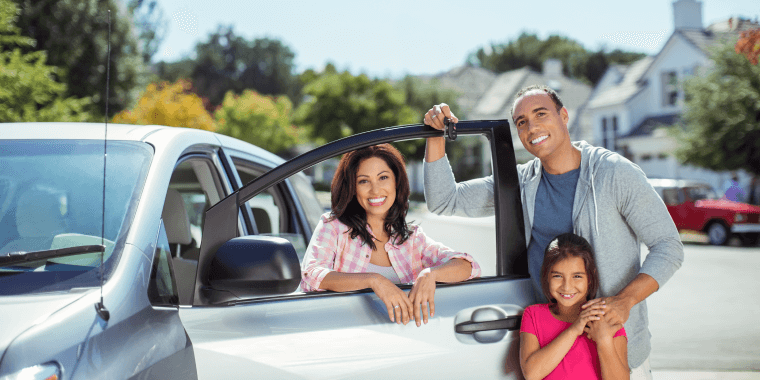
{"type": "Point", "coordinates": [631, 103]}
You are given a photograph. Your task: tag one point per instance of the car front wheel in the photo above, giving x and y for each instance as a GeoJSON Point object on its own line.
{"type": "Point", "coordinates": [718, 234]}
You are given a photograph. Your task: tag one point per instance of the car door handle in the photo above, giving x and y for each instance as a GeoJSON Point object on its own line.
{"type": "Point", "coordinates": [509, 323]}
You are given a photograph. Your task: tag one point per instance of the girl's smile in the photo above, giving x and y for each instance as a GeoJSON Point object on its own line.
{"type": "Point", "coordinates": [568, 282]}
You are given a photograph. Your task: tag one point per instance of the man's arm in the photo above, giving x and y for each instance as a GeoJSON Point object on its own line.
{"type": "Point", "coordinates": [435, 147]}
{"type": "Point", "coordinates": [443, 195]}
{"type": "Point", "coordinates": [649, 219]}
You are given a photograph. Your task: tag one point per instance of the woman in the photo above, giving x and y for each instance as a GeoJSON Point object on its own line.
{"type": "Point", "coordinates": [365, 242]}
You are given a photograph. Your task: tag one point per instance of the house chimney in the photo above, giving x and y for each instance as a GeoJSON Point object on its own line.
{"type": "Point", "coordinates": [552, 68]}
{"type": "Point", "coordinates": [687, 14]}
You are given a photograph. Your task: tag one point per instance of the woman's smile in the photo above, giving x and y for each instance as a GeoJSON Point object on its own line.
{"type": "Point", "coordinates": [375, 187]}
{"type": "Point", "coordinates": [375, 202]}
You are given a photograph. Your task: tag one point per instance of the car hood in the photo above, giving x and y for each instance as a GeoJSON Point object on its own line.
{"type": "Point", "coordinates": [725, 204]}
{"type": "Point", "coordinates": [22, 312]}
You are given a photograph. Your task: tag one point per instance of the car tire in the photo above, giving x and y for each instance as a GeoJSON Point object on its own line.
{"type": "Point", "coordinates": [718, 233]}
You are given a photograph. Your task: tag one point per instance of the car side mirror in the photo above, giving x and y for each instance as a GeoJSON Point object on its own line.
{"type": "Point", "coordinates": [253, 266]}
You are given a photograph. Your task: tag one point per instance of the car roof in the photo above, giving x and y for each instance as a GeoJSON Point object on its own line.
{"type": "Point", "coordinates": [667, 182]}
{"type": "Point", "coordinates": [119, 132]}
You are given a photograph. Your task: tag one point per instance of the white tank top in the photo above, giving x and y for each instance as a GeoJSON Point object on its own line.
{"type": "Point", "coordinates": [386, 272]}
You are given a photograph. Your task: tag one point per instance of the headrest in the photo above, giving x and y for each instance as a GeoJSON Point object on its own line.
{"type": "Point", "coordinates": [175, 218]}
{"type": "Point", "coordinates": [39, 214]}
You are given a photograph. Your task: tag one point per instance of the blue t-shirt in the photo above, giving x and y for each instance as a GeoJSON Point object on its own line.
{"type": "Point", "coordinates": [553, 216]}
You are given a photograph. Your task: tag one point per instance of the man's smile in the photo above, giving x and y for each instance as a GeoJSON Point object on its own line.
{"type": "Point", "coordinates": [539, 140]}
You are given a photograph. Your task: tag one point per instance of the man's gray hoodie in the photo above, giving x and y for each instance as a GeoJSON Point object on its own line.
{"type": "Point", "coordinates": [614, 208]}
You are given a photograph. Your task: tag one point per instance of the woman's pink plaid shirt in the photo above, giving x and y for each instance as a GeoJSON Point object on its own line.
{"type": "Point", "coordinates": [332, 249]}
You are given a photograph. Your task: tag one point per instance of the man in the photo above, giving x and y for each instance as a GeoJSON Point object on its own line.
{"type": "Point", "coordinates": [574, 187]}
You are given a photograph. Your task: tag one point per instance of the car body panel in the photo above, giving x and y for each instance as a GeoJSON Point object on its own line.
{"type": "Point", "coordinates": [350, 336]}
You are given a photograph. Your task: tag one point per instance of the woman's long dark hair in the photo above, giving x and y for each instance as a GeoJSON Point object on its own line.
{"type": "Point", "coordinates": [347, 209]}
{"type": "Point", "coordinates": [565, 246]}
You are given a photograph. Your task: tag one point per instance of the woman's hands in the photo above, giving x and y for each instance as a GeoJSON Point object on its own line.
{"type": "Point", "coordinates": [422, 295]}
{"type": "Point", "coordinates": [588, 315]}
{"type": "Point", "coordinates": [398, 304]}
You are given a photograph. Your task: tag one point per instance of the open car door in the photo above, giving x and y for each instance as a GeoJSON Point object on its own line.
{"type": "Point", "coordinates": [247, 318]}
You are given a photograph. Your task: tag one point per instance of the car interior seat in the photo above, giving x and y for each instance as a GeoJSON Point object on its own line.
{"type": "Point", "coordinates": [261, 217]}
{"type": "Point", "coordinates": [177, 225]}
{"type": "Point", "coordinates": [38, 220]}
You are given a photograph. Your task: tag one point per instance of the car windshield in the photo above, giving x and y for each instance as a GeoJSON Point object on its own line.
{"type": "Point", "coordinates": [702, 192]}
{"type": "Point", "coordinates": [51, 197]}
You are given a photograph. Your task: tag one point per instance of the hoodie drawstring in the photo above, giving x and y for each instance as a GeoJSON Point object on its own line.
{"type": "Point", "coordinates": [593, 195]}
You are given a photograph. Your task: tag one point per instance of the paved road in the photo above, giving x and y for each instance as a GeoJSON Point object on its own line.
{"type": "Point", "coordinates": [706, 316]}
{"type": "Point", "coordinates": [704, 319]}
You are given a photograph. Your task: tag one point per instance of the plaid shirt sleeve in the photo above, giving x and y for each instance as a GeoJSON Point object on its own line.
{"type": "Point", "coordinates": [321, 253]}
{"type": "Point", "coordinates": [435, 254]}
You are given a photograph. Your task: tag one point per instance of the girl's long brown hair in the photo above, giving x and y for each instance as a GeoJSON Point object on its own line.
{"type": "Point", "coordinates": [347, 209]}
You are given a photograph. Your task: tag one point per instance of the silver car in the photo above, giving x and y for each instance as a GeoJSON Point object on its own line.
{"type": "Point", "coordinates": [153, 260]}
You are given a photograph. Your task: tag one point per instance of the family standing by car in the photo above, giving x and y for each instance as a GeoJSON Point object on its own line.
{"type": "Point", "coordinates": [574, 187]}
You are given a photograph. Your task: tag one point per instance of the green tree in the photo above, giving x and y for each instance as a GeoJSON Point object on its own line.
{"type": "Point", "coordinates": [170, 104]}
{"type": "Point", "coordinates": [148, 19]}
{"type": "Point", "coordinates": [420, 95]}
{"type": "Point", "coordinates": [28, 90]}
{"type": "Point", "coordinates": [260, 120]}
{"type": "Point", "coordinates": [529, 50]}
{"type": "Point", "coordinates": [341, 104]}
{"type": "Point", "coordinates": [74, 33]}
{"type": "Point", "coordinates": [722, 115]}
{"type": "Point", "coordinates": [228, 62]}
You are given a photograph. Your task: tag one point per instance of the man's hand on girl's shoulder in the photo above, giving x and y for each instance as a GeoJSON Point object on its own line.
{"type": "Point", "coordinates": [618, 308]}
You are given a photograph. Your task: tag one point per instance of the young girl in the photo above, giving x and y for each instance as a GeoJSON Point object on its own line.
{"type": "Point", "coordinates": [558, 340]}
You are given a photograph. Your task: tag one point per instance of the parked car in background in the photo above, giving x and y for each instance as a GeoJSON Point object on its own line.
{"type": "Point", "coordinates": [198, 274]}
{"type": "Point", "coordinates": [695, 206]}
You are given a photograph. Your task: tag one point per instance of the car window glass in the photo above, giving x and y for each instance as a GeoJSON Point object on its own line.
{"type": "Point", "coordinates": [52, 198]}
{"type": "Point", "coordinates": [311, 206]}
{"type": "Point", "coordinates": [470, 159]}
{"type": "Point", "coordinates": [274, 210]}
{"type": "Point", "coordinates": [162, 289]}
{"type": "Point", "coordinates": [194, 186]}
{"type": "Point", "coordinates": [701, 192]}
{"type": "Point", "coordinates": [670, 196]}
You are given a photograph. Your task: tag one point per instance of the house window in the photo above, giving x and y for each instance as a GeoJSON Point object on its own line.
{"type": "Point", "coordinates": [604, 132]}
{"type": "Point", "coordinates": [614, 133]}
{"type": "Point", "coordinates": [669, 88]}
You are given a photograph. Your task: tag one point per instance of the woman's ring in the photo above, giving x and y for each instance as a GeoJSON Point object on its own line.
{"type": "Point", "coordinates": [395, 306]}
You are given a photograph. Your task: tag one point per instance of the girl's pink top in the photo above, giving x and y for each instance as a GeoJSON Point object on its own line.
{"type": "Point", "coordinates": [581, 362]}
{"type": "Point", "coordinates": [332, 249]}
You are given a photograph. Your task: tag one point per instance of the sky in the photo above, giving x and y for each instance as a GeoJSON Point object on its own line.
{"type": "Point", "coordinates": [393, 38]}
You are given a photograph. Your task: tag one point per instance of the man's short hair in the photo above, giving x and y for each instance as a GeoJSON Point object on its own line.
{"type": "Point", "coordinates": [537, 87]}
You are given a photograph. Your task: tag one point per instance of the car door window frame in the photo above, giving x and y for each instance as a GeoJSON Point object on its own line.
{"type": "Point", "coordinates": [511, 257]}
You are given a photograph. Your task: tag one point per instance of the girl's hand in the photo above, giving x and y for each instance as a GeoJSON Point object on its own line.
{"type": "Point", "coordinates": [422, 295]}
{"type": "Point", "coordinates": [398, 304]}
{"type": "Point", "coordinates": [592, 313]}
{"type": "Point", "coordinates": [601, 331]}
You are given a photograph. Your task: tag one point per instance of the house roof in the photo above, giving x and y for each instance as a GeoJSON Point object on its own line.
{"type": "Point", "coordinates": [626, 88]}
{"type": "Point", "coordinates": [470, 82]}
{"type": "Point", "coordinates": [651, 123]}
{"type": "Point", "coordinates": [496, 102]}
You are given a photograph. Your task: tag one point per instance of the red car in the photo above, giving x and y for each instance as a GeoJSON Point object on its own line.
{"type": "Point", "coordinates": [695, 206]}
